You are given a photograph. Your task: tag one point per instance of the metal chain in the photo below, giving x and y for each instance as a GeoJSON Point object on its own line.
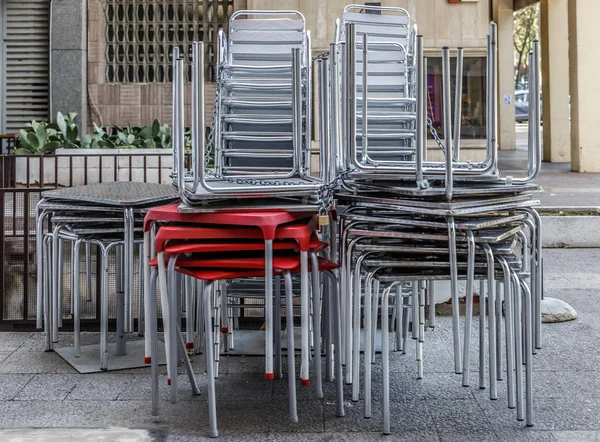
{"type": "Point", "coordinates": [320, 56]}
{"type": "Point", "coordinates": [435, 135]}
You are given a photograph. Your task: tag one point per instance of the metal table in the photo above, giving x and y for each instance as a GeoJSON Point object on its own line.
{"type": "Point", "coordinates": [119, 198]}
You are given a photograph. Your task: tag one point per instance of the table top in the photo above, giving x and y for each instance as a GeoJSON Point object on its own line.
{"type": "Point", "coordinates": [119, 194]}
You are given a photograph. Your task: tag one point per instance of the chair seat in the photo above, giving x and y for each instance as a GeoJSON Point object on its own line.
{"type": "Point", "coordinates": [280, 264]}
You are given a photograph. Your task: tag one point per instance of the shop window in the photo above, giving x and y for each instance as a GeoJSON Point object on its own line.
{"type": "Point", "coordinates": [141, 35]}
{"type": "Point", "coordinates": [473, 118]}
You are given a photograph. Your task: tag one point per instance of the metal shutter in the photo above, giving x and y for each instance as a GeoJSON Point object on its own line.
{"type": "Point", "coordinates": [26, 43]}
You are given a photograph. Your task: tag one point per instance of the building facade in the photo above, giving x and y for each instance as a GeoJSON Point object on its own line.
{"type": "Point", "coordinates": [109, 60]}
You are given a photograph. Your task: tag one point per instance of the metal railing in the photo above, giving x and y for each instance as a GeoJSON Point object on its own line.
{"type": "Point", "coordinates": [22, 179]}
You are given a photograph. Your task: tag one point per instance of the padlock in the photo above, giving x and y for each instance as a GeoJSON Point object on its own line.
{"type": "Point", "coordinates": [323, 220]}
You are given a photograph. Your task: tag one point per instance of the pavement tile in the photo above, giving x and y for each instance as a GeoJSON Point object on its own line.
{"type": "Point", "coordinates": [458, 416]}
{"type": "Point", "coordinates": [35, 362]}
{"type": "Point", "coordinates": [11, 384]}
{"type": "Point", "coordinates": [103, 386]}
{"type": "Point", "coordinates": [49, 387]}
{"type": "Point", "coordinates": [138, 387]}
{"type": "Point", "coordinates": [11, 341]}
{"type": "Point", "coordinates": [4, 355]}
{"type": "Point", "coordinates": [467, 436]}
{"type": "Point", "coordinates": [525, 434]}
{"type": "Point", "coordinates": [580, 436]}
{"type": "Point", "coordinates": [247, 387]}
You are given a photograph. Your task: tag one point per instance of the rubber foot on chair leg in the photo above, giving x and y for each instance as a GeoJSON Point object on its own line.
{"type": "Point", "coordinates": [305, 382]}
{"type": "Point", "coordinates": [147, 360]}
{"type": "Point", "coordinates": [269, 376]}
{"type": "Point", "coordinates": [224, 330]}
{"type": "Point", "coordinates": [168, 381]}
{"type": "Point", "coordinates": [189, 345]}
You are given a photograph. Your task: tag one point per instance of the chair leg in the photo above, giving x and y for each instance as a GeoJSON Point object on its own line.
{"type": "Point", "coordinates": [147, 295]}
{"type": "Point", "coordinates": [356, 311]}
{"type": "Point", "coordinates": [399, 317]}
{"type": "Point", "coordinates": [269, 373]}
{"type": "Point", "coordinates": [152, 336]}
{"type": "Point", "coordinates": [454, 294]}
{"type": "Point", "coordinates": [367, 345]}
{"type": "Point", "coordinates": [76, 297]}
{"type": "Point", "coordinates": [304, 319]}
{"type": "Point", "coordinates": [469, 309]}
{"type": "Point", "coordinates": [277, 321]}
{"type": "Point", "coordinates": [482, 334]}
{"type": "Point", "coordinates": [172, 295]}
{"type": "Point", "coordinates": [421, 341]}
{"type": "Point", "coordinates": [316, 304]}
{"type": "Point", "coordinates": [164, 305]}
{"type": "Point", "coordinates": [499, 297]}
{"type": "Point", "coordinates": [517, 318]}
{"type": "Point", "coordinates": [385, 357]}
{"type": "Point", "coordinates": [374, 313]}
{"type": "Point", "coordinates": [47, 292]}
{"type": "Point", "coordinates": [528, 353]}
{"type": "Point", "coordinates": [290, 346]}
{"type": "Point", "coordinates": [209, 357]}
{"type": "Point", "coordinates": [339, 381]}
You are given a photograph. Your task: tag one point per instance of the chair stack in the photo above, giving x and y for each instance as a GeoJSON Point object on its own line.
{"type": "Point", "coordinates": [249, 210]}
{"type": "Point", "coordinates": [404, 222]}
{"type": "Point", "coordinates": [407, 222]}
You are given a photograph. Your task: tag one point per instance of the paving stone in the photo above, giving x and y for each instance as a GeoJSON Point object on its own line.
{"type": "Point", "coordinates": [10, 342]}
{"type": "Point", "coordinates": [11, 384]}
{"type": "Point", "coordinates": [468, 436]}
{"type": "Point", "coordinates": [580, 436]}
{"type": "Point", "coordinates": [458, 416]}
{"type": "Point", "coordinates": [35, 362]}
{"type": "Point", "coordinates": [51, 387]}
{"type": "Point", "coordinates": [4, 355]}
{"type": "Point", "coordinates": [138, 387]}
{"type": "Point", "coordinates": [104, 386]}
{"type": "Point", "coordinates": [247, 387]}
{"type": "Point", "coordinates": [525, 434]}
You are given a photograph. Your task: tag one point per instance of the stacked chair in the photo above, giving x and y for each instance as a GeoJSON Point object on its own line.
{"type": "Point", "coordinates": [252, 208]}
{"type": "Point", "coordinates": [407, 222]}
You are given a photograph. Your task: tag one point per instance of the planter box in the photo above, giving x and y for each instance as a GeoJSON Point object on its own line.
{"type": "Point", "coordinates": [76, 167]}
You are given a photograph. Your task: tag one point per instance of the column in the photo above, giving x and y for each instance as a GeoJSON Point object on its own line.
{"type": "Point", "coordinates": [68, 59]}
{"type": "Point", "coordinates": [503, 16]}
{"type": "Point", "coordinates": [584, 69]}
{"type": "Point", "coordinates": [555, 80]}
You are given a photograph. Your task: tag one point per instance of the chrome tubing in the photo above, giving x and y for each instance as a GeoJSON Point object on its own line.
{"type": "Point", "coordinates": [458, 103]}
{"type": "Point", "coordinates": [421, 140]}
{"type": "Point", "coordinates": [447, 117]}
{"type": "Point", "coordinates": [365, 83]}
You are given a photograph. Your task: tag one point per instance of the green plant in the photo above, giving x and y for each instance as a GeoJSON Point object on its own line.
{"type": "Point", "coordinates": [44, 138]}
{"type": "Point", "coordinates": [144, 137]}
{"type": "Point", "coordinates": [41, 138]}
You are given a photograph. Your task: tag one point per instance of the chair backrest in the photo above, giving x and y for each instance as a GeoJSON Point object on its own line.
{"type": "Point", "coordinates": [265, 41]}
{"type": "Point", "coordinates": [391, 110]}
{"type": "Point", "coordinates": [260, 132]}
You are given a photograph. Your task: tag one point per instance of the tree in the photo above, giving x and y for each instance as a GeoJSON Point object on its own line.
{"type": "Point", "coordinates": [526, 25]}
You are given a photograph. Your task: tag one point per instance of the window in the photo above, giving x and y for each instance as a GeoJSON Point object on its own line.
{"type": "Point", "coordinates": [141, 35]}
{"type": "Point", "coordinates": [473, 118]}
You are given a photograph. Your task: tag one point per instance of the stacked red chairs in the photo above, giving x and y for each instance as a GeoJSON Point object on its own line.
{"type": "Point", "coordinates": [222, 246]}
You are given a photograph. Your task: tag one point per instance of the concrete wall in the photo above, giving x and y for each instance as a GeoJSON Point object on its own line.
{"type": "Point", "coordinates": [440, 22]}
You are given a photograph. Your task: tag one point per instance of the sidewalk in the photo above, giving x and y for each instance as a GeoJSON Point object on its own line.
{"type": "Point", "coordinates": [561, 187]}
{"type": "Point", "coordinates": [39, 390]}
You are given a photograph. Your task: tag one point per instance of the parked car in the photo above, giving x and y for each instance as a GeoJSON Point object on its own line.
{"type": "Point", "coordinates": [522, 106]}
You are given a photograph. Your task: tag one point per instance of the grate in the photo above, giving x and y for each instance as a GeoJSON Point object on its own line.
{"type": "Point", "coordinates": [141, 35]}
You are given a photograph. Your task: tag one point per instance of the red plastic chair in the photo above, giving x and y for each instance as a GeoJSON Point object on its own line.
{"type": "Point", "coordinates": [270, 225]}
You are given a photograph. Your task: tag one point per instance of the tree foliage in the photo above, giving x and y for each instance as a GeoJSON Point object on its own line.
{"type": "Point", "coordinates": [526, 26]}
